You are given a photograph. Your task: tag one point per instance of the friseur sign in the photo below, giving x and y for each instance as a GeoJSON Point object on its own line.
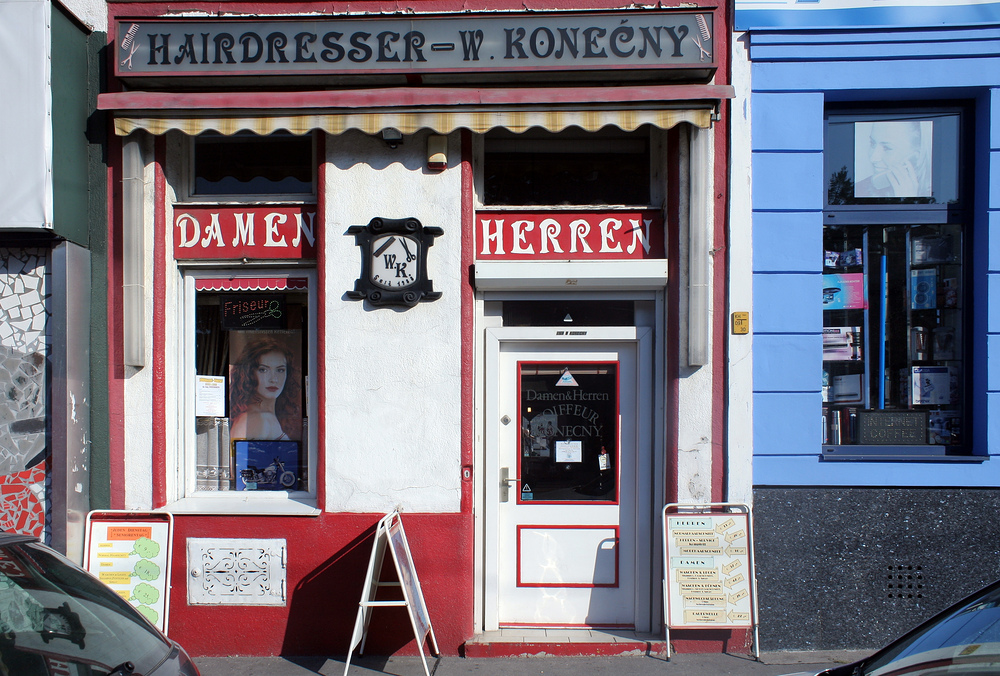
{"type": "Point", "coordinates": [416, 44]}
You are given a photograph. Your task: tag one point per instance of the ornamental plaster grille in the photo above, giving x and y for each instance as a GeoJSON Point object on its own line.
{"type": "Point", "coordinates": [236, 572]}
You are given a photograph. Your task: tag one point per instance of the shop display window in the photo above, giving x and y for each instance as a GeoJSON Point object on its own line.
{"type": "Point", "coordinates": [895, 268]}
{"type": "Point", "coordinates": [246, 165]}
{"type": "Point", "coordinates": [541, 168]}
{"type": "Point", "coordinates": [250, 399]}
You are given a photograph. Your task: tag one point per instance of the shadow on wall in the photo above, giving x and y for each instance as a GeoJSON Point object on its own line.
{"type": "Point", "coordinates": [324, 604]}
{"type": "Point", "coordinates": [354, 148]}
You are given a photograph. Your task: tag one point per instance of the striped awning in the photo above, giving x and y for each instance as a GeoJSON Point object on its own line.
{"type": "Point", "coordinates": [251, 284]}
{"type": "Point", "coordinates": [442, 110]}
{"type": "Point", "coordinates": [410, 121]}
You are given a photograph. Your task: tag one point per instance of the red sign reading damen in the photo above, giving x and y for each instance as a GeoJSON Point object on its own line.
{"type": "Point", "coordinates": [562, 235]}
{"type": "Point", "coordinates": [272, 231]}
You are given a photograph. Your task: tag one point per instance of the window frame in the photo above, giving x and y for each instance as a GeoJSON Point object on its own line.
{"type": "Point", "coordinates": [655, 138]}
{"type": "Point", "coordinates": [189, 498]}
{"type": "Point", "coordinates": [186, 193]}
{"type": "Point", "coordinates": [905, 212]}
{"type": "Point", "coordinates": [958, 213]}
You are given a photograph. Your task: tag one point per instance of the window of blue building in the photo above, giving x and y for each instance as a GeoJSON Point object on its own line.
{"type": "Point", "coordinates": [895, 267]}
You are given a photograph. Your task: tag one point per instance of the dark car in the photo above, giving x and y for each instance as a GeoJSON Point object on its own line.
{"type": "Point", "coordinates": [56, 618]}
{"type": "Point", "coordinates": [963, 640]}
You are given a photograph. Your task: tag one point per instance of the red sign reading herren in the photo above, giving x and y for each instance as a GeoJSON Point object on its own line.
{"type": "Point", "coordinates": [506, 235]}
{"type": "Point", "coordinates": [273, 231]}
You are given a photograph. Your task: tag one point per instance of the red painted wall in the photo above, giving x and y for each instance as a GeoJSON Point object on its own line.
{"type": "Point", "coordinates": [327, 561]}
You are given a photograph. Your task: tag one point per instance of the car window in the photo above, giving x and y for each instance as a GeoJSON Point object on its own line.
{"type": "Point", "coordinates": [53, 612]}
{"type": "Point", "coordinates": [966, 641]}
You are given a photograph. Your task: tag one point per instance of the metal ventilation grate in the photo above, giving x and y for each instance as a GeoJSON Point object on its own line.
{"type": "Point", "coordinates": [236, 572]}
{"type": "Point", "coordinates": [905, 582]}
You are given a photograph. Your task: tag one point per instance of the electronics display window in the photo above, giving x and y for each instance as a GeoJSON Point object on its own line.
{"type": "Point", "coordinates": [895, 268]}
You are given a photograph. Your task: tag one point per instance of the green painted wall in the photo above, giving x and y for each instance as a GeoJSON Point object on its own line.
{"type": "Point", "coordinates": [70, 110]}
{"type": "Point", "coordinates": [80, 189]}
{"type": "Point", "coordinates": [97, 219]}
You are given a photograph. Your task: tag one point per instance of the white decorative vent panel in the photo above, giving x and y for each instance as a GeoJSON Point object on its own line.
{"type": "Point", "coordinates": [236, 572]}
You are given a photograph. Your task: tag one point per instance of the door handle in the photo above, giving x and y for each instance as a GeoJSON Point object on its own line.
{"type": "Point", "coordinates": [505, 481]}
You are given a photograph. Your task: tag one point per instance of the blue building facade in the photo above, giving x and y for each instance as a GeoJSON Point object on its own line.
{"type": "Point", "coordinates": [874, 138]}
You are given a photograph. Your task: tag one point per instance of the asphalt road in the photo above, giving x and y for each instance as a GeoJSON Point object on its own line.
{"type": "Point", "coordinates": [678, 665]}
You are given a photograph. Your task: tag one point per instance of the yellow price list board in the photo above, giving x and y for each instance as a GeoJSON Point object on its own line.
{"type": "Point", "coordinates": [708, 576]}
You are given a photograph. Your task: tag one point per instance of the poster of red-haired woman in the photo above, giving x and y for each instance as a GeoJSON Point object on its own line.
{"type": "Point", "coordinates": [265, 385]}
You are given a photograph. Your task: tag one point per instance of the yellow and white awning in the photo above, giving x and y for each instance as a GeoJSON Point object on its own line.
{"type": "Point", "coordinates": [409, 121]}
{"type": "Point", "coordinates": [440, 110]}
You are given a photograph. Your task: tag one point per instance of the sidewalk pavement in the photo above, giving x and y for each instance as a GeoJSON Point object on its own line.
{"type": "Point", "coordinates": [770, 664]}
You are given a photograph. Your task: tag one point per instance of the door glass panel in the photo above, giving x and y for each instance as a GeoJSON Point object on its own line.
{"type": "Point", "coordinates": [569, 432]}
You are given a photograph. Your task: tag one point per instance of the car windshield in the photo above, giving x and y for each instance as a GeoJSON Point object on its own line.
{"type": "Point", "coordinates": [54, 616]}
{"type": "Point", "coordinates": [965, 641]}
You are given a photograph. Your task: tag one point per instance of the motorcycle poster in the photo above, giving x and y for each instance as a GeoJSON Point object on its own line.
{"type": "Point", "coordinates": [267, 465]}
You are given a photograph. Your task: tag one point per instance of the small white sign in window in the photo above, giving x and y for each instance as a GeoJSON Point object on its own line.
{"type": "Point", "coordinates": [210, 396]}
{"type": "Point", "coordinates": [569, 451]}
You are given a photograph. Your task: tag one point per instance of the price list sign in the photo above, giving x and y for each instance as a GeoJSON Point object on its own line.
{"type": "Point", "coordinates": [708, 576]}
{"type": "Point", "coordinates": [130, 552]}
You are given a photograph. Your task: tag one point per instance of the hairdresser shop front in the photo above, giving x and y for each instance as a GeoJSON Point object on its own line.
{"type": "Point", "coordinates": [419, 262]}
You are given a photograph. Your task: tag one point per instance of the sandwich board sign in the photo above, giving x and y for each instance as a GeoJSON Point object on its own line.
{"type": "Point", "coordinates": [130, 552]}
{"type": "Point", "coordinates": [708, 568]}
{"type": "Point", "coordinates": [389, 534]}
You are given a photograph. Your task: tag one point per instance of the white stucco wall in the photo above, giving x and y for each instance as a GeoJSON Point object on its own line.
{"type": "Point", "coordinates": [694, 386]}
{"type": "Point", "coordinates": [392, 377]}
{"type": "Point", "coordinates": [739, 425]}
{"type": "Point", "coordinates": [91, 13]}
{"type": "Point", "coordinates": [138, 385]}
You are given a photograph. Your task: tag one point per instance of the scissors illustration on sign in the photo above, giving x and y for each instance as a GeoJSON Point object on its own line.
{"type": "Point", "coordinates": [705, 35]}
{"type": "Point", "coordinates": [272, 310]}
{"type": "Point", "coordinates": [128, 42]}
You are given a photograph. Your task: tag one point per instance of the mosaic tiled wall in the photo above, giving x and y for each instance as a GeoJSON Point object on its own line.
{"type": "Point", "coordinates": [24, 349]}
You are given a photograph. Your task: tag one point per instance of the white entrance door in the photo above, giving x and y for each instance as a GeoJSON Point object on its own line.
{"type": "Point", "coordinates": [569, 455]}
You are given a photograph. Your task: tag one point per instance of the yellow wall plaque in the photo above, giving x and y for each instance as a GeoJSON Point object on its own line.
{"type": "Point", "coordinates": [741, 323]}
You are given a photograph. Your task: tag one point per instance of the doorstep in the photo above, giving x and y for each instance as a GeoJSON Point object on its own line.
{"type": "Point", "coordinates": [528, 642]}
